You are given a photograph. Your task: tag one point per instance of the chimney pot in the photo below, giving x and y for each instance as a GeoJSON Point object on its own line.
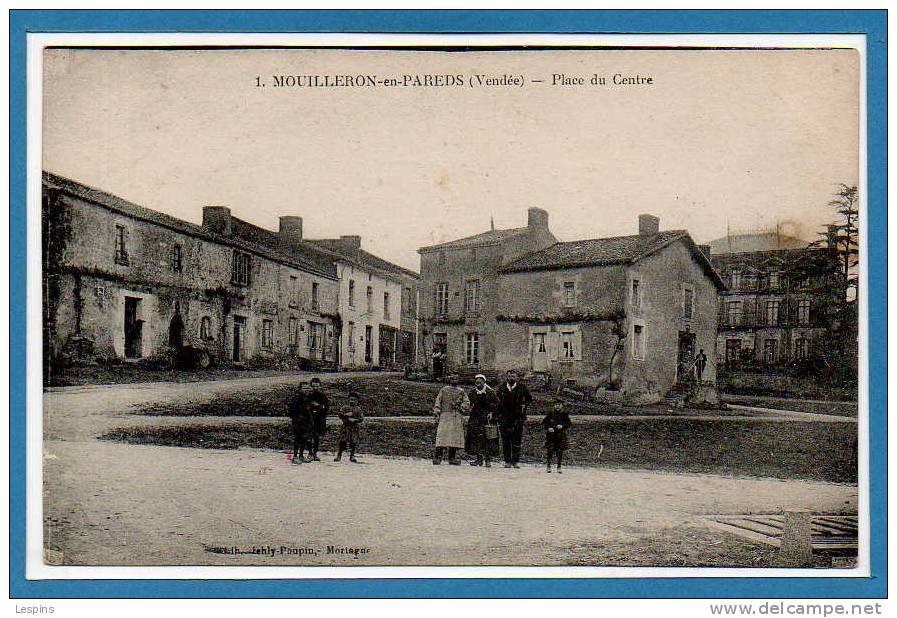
{"type": "Point", "coordinates": [290, 228]}
{"type": "Point", "coordinates": [537, 218]}
{"type": "Point", "coordinates": [217, 219]}
{"type": "Point", "coordinates": [648, 225]}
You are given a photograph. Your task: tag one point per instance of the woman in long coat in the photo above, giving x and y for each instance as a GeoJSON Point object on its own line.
{"type": "Point", "coordinates": [482, 406]}
{"type": "Point", "coordinates": [451, 404]}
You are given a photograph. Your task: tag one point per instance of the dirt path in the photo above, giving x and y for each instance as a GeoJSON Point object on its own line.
{"type": "Point", "coordinates": [122, 504]}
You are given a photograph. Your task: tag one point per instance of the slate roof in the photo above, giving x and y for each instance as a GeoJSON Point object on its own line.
{"type": "Point", "coordinates": [363, 258]}
{"type": "Point", "coordinates": [247, 237]}
{"type": "Point", "coordinates": [477, 240]}
{"type": "Point", "coordinates": [608, 252]}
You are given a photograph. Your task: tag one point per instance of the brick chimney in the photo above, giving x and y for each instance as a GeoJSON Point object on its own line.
{"type": "Point", "coordinates": [217, 219]}
{"type": "Point", "coordinates": [290, 228]}
{"type": "Point", "coordinates": [648, 225]}
{"type": "Point", "coordinates": [350, 241]}
{"type": "Point", "coordinates": [537, 218]}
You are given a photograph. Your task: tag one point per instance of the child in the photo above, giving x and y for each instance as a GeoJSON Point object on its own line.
{"type": "Point", "coordinates": [302, 422]}
{"type": "Point", "coordinates": [352, 417]}
{"type": "Point", "coordinates": [556, 424]}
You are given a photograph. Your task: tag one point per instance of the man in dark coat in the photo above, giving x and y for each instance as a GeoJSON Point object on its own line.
{"type": "Point", "coordinates": [513, 400]}
{"type": "Point", "coordinates": [303, 421]}
{"type": "Point", "coordinates": [320, 408]}
{"type": "Point", "coordinates": [482, 406]}
{"type": "Point", "coordinates": [700, 365]}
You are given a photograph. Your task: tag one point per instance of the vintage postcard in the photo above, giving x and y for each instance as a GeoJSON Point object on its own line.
{"type": "Point", "coordinates": [443, 307]}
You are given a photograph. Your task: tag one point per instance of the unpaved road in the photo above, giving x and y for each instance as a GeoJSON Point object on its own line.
{"type": "Point", "coordinates": [119, 504]}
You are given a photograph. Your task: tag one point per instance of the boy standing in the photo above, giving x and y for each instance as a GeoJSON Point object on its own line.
{"type": "Point", "coordinates": [352, 416]}
{"type": "Point", "coordinates": [303, 423]}
{"type": "Point", "coordinates": [556, 424]}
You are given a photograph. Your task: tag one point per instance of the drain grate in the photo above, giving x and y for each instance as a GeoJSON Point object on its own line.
{"type": "Point", "coordinates": [831, 533]}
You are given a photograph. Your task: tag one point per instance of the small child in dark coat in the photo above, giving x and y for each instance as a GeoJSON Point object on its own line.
{"type": "Point", "coordinates": [556, 423]}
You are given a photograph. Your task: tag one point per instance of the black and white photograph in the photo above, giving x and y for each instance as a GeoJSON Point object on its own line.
{"type": "Point", "coordinates": [587, 307]}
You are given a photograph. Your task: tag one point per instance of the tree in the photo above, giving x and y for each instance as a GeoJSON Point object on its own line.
{"type": "Point", "coordinates": [843, 236]}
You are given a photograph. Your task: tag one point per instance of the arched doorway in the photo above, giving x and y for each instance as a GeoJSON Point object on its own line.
{"type": "Point", "coordinates": [176, 331]}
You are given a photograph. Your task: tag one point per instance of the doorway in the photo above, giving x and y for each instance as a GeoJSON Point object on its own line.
{"type": "Point", "coordinates": [133, 328]}
{"type": "Point", "coordinates": [176, 331]}
{"type": "Point", "coordinates": [239, 329]}
{"type": "Point", "coordinates": [368, 344]}
{"type": "Point", "coordinates": [686, 360]}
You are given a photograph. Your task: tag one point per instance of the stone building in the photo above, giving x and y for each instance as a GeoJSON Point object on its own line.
{"type": "Point", "coordinates": [627, 313]}
{"type": "Point", "coordinates": [378, 305]}
{"type": "Point", "coordinates": [779, 304]}
{"type": "Point", "coordinates": [126, 282]}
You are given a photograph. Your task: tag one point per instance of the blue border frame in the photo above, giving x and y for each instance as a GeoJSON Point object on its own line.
{"type": "Point", "coordinates": [872, 23]}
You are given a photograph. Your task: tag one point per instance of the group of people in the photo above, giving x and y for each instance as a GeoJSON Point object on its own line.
{"type": "Point", "coordinates": [308, 412]}
{"type": "Point", "coordinates": [495, 416]}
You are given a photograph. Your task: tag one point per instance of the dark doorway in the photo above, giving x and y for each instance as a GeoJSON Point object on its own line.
{"type": "Point", "coordinates": [176, 331]}
{"type": "Point", "coordinates": [686, 360]}
{"type": "Point", "coordinates": [239, 326]}
{"type": "Point", "coordinates": [368, 344]}
{"type": "Point", "coordinates": [133, 328]}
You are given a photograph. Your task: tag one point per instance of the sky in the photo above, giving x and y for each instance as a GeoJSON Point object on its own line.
{"type": "Point", "coordinates": [720, 140]}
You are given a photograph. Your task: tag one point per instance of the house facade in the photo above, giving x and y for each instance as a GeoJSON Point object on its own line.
{"type": "Point", "coordinates": [778, 307]}
{"type": "Point", "coordinates": [129, 283]}
{"type": "Point", "coordinates": [377, 304]}
{"type": "Point", "coordinates": [628, 313]}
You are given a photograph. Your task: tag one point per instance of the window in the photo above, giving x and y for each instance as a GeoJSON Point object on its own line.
{"type": "Point", "coordinates": [774, 281]}
{"type": "Point", "coordinates": [803, 311]}
{"type": "Point", "coordinates": [314, 336]}
{"type": "Point", "coordinates": [636, 296]}
{"type": "Point", "coordinates": [736, 280]}
{"type": "Point", "coordinates": [770, 351]}
{"type": "Point", "coordinates": [569, 293]}
{"type": "Point", "coordinates": [772, 312]}
{"type": "Point", "coordinates": [472, 348]}
{"type": "Point", "coordinates": [539, 342]}
{"type": "Point", "coordinates": [442, 298]}
{"type": "Point", "coordinates": [638, 341]}
{"type": "Point", "coordinates": [688, 303]}
{"type": "Point", "coordinates": [121, 245]}
{"type": "Point", "coordinates": [177, 264]}
{"type": "Point", "coordinates": [294, 331]}
{"type": "Point", "coordinates": [351, 292]}
{"type": "Point", "coordinates": [802, 348]}
{"type": "Point", "coordinates": [386, 305]}
{"type": "Point", "coordinates": [733, 312]}
{"type": "Point", "coordinates": [733, 351]}
{"type": "Point", "coordinates": [294, 291]}
{"type": "Point", "coordinates": [314, 296]}
{"type": "Point", "coordinates": [240, 268]}
{"type": "Point", "coordinates": [567, 348]}
{"type": "Point", "coordinates": [350, 336]}
{"type": "Point", "coordinates": [267, 333]}
{"type": "Point", "coordinates": [472, 296]}
{"type": "Point", "coordinates": [205, 328]}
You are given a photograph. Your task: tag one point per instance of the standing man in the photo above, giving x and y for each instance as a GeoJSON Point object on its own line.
{"type": "Point", "coordinates": [481, 433]}
{"type": "Point", "coordinates": [700, 365]}
{"type": "Point", "coordinates": [320, 408]}
{"type": "Point", "coordinates": [513, 400]}
{"type": "Point", "coordinates": [451, 404]}
{"type": "Point", "coordinates": [303, 423]}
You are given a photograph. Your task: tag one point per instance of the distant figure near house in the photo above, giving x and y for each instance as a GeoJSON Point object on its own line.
{"type": "Point", "coordinates": [352, 417]}
{"type": "Point", "coordinates": [481, 432]}
{"type": "Point", "coordinates": [320, 408]}
{"type": "Point", "coordinates": [438, 364]}
{"type": "Point", "coordinates": [451, 404]}
{"type": "Point", "coordinates": [700, 365]}
{"type": "Point", "coordinates": [513, 400]}
{"type": "Point", "coordinates": [303, 423]}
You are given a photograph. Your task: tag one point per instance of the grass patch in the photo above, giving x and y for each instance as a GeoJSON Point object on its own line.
{"type": "Point", "coordinates": [788, 450]}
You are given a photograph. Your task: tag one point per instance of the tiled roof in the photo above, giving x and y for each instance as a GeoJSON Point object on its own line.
{"type": "Point", "coordinates": [607, 252]}
{"type": "Point", "coordinates": [363, 258]}
{"type": "Point", "coordinates": [248, 239]}
{"type": "Point", "coordinates": [485, 238]}
{"type": "Point", "coordinates": [757, 241]}
{"type": "Point", "coordinates": [302, 252]}
{"type": "Point", "coordinates": [596, 252]}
